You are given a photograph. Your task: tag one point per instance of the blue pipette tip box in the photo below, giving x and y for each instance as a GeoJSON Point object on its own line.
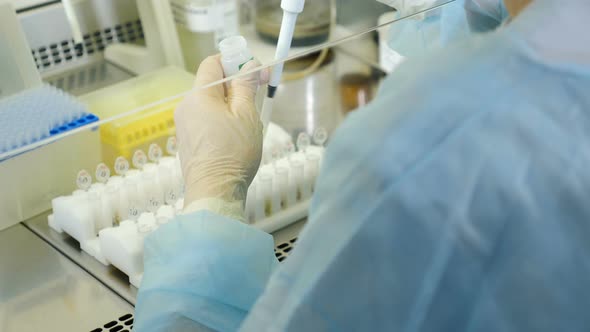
{"type": "Point", "coordinates": [83, 121]}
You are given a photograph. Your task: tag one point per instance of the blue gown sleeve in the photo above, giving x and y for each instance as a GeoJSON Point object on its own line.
{"type": "Point", "coordinates": [202, 272]}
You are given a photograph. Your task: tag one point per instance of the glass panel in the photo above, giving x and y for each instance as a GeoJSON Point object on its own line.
{"type": "Point", "coordinates": [202, 24]}
{"type": "Point", "coordinates": [321, 84]}
{"type": "Point", "coordinates": [168, 85]}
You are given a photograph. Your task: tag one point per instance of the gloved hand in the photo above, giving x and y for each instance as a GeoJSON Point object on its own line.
{"type": "Point", "coordinates": [220, 139]}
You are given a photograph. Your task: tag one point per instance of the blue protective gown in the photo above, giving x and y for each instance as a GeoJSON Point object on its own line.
{"type": "Point", "coordinates": [444, 25]}
{"type": "Point", "coordinates": [458, 200]}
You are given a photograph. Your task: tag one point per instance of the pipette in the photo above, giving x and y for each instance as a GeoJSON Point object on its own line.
{"type": "Point", "coordinates": [291, 9]}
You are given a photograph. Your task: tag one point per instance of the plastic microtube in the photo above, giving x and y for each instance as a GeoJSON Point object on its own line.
{"type": "Point", "coordinates": [312, 167]}
{"type": "Point", "coordinates": [169, 180]}
{"type": "Point", "coordinates": [151, 188]}
{"type": "Point", "coordinates": [103, 173]}
{"type": "Point", "coordinates": [84, 180]}
{"type": "Point", "coordinates": [115, 181]}
{"type": "Point", "coordinates": [155, 153]}
{"type": "Point", "coordinates": [95, 205]}
{"type": "Point", "coordinates": [266, 192]}
{"type": "Point", "coordinates": [275, 199]}
{"type": "Point", "coordinates": [305, 185]}
{"type": "Point", "coordinates": [105, 216]}
{"type": "Point", "coordinates": [97, 187]}
{"type": "Point", "coordinates": [133, 204]}
{"type": "Point", "coordinates": [275, 155]}
{"type": "Point", "coordinates": [251, 203]}
{"type": "Point", "coordinates": [168, 184]}
{"type": "Point", "coordinates": [320, 136]}
{"type": "Point", "coordinates": [297, 178]}
{"type": "Point", "coordinates": [139, 159]}
{"type": "Point", "coordinates": [303, 141]}
{"type": "Point", "coordinates": [171, 146]}
{"type": "Point", "coordinates": [288, 150]}
{"type": "Point", "coordinates": [234, 54]}
{"type": "Point", "coordinates": [282, 185]}
{"type": "Point", "coordinates": [121, 166]}
{"type": "Point", "coordinates": [113, 200]}
{"type": "Point", "coordinates": [259, 206]}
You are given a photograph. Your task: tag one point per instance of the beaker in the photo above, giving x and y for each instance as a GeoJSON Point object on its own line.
{"type": "Point", "coordinates": [313, 24]}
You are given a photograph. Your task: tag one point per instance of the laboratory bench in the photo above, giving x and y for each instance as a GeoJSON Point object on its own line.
{"type": "Point", "coordinates": [48, 284]}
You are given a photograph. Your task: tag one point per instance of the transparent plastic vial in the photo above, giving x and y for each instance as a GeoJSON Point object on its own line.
{"type": "Point", "coordinates": [234, 54]}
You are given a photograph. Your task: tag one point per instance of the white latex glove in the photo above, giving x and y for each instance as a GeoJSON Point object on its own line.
{"type": "Point", "coordinates": [220, 140]}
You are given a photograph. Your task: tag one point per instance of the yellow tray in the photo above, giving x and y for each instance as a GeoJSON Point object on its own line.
{"type": "Point", "coordinates": [124, 136]}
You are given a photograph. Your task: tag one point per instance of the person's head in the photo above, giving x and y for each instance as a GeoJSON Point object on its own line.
{"type": "Point", "coordinates": [516, 6]}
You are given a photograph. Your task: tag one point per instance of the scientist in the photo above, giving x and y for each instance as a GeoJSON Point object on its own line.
{"type": "Point", "coordinates": [434, 24]}
{"type": "Point", "coordinates": [458, 200]}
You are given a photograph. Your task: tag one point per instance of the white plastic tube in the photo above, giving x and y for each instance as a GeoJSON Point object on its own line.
{"type": "Point", "coordinates": [251, 203]}
{"type": "Point", "coordinates": [151, 188]}
{"type": "Point", "coordinates": [296, 178]}
{"type": "Point", "coordinates": [234, 54]}
{"type": "Point", "coordinates": [282, 185]}
{"type": "Point", "coordinates": [259, 212]}
{"type": "Point", "coordinates": [95, 206]}
{"type": "Point", "coordinates": [169, 184]}
{"type": "Point", "coordinates": [265, 193]}
{"type": "Point", "coordinates": [132, 202]}
{"type": "Point", "coordinates": [312, 166]}
{"type": "Point", "coordinates": [111, 200]}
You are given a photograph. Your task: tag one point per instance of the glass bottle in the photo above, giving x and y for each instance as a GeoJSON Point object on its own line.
{"type": "Point", "coordinates": [201, 25]}
{"type": "Point", "coordinates": [313, 24]}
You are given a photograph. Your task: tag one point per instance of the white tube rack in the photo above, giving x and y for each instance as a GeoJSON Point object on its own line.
{"type": "Point", "coordinates": [110, 220]}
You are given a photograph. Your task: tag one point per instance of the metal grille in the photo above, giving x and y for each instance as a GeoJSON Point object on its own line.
{"type": "Point", "coordinates": [125, 322]}
{"type": "Point", "coordinates": [61, 52]}
{"type": "Point", "coordinates": [282, 250]}
{"type": "Point", "coordinates": [122, 324]}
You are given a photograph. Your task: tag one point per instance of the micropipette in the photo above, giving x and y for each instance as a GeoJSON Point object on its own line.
{"type": "Point", "coordinates": [291, 9]}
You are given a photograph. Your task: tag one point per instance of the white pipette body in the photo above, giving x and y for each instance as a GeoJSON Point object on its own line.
{"type": "Point", "coordinates": [291, 9]}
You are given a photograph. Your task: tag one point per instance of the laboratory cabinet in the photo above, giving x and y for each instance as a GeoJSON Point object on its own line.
{"type": "Point", "coordinates": [88, 180]}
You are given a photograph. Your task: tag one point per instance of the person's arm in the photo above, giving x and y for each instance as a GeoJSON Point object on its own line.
{"type": "Point", "coordinates": [204, 270]}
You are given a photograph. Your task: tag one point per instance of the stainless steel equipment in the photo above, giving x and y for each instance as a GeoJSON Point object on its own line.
{"type": "Point", "coordinates": [79, 70]}
{"type": "Point", "coordinates": [42, 290]}
{"type": "Point", "coordinates": [48, 284]}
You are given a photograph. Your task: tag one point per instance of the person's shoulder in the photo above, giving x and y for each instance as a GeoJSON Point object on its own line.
{"type": "Point", "coordinates": [423, 101]}
{"type": "Point", "coordinates": [453, 68]}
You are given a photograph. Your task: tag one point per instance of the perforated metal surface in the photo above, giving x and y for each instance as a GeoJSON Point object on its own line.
{"type": "Point", "coordinates": [60, 52]}
{"type": "Point", "coordinates": [282, 250]}
{"type": "Point", "coordinates": [121, 324]}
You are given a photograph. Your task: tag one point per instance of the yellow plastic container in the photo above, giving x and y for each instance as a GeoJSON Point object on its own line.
{"type": "Point", "coordinates": [124, 136]}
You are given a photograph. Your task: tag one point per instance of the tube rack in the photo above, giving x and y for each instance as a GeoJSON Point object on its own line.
{"type": "Point", "coordinates": [110, 218]}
